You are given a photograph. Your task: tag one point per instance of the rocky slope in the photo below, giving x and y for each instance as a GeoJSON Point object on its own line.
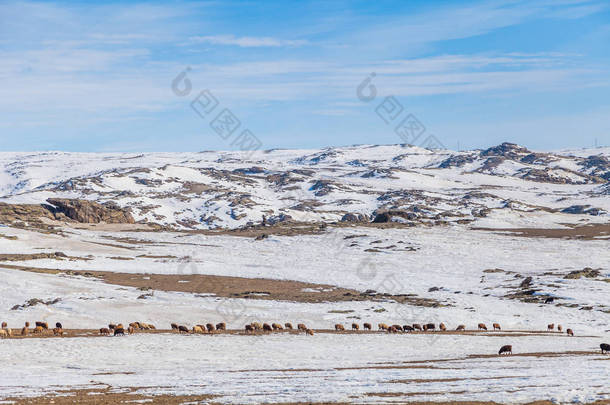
{"type": "Point", "coordinates": [506, 185]}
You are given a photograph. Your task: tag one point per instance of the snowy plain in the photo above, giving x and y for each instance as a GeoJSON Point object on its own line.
{"type": "Point", "coordinates": [299, 368]}
{"type": "Point", "coordinates": [470, 272]}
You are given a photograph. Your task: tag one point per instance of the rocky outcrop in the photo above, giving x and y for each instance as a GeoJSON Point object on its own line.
{"type": "Point", "coordinates": [90, 212]}
{"type": "Point", "coordinates": [586, 272]}
{"type": "Point", "coordinates": [507, 150]}
{"type": "Point", "coordinates": [598, 165]}
{"type": "Point", "coordinates": [351, 217]}
{"type": "Point", "coordinates": [277, 219]}
{"type": "Point", "coordinates": [322, 187]}
{"type": "Point", "coordinates": [10, 213]}
{"type": "Point", "coordinates": [536, 159]}
{"type": "Point", "coordinates": [65, 210]}
{"type": "Point", "coordinates": [456, 161]}
{"type": "Point", "coordinates": [394, 216]}
{"type": "Point", "coordinates": [583, 209]}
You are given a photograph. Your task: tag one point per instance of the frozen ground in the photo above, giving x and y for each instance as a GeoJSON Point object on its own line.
{"type": "Point", "coordinates": [453, 261]}
{"type": "Point", "coordinates": [370, 368]}
{"type": "Point", "coordinates": [297, 368]}
{"type": "Point", "coordinates": [473, 275]}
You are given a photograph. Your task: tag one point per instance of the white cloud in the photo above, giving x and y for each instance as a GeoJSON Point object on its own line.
{"type": "Point", "coordinates": [247, 42]}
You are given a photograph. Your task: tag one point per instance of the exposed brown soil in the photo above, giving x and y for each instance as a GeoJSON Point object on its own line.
{"type": "Point", "coordinates": [586, 232]}
{"type": "Point", "coordinates": [433, 380]}
{"type": "Point", "coordinates": [104, 396]}
{"type": "Point", "coordinates": [236, 287]}
{"type": "Point", "coordinates": [410, 394]}
{"type": "Point", "coordinates": [14, 257]}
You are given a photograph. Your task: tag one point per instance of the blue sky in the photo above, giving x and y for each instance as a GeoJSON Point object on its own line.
{"type": "Point", "coordinates": [97, 76]}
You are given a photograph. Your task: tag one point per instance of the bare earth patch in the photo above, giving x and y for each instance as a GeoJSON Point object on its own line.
{"type": "Point", "coordinates": [236, 287]}
{"type": "Point", "coordinates": [108, 396]}
{"type": "Point", "coordinates": [585, 232]}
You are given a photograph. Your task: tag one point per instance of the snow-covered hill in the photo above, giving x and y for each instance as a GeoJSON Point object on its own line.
{"type": "Point", "coordinates": [506, 185]}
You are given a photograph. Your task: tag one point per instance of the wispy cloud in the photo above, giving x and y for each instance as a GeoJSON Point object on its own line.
{"type": "Point", "coordinates": [114, 63]}
{"type": "Point", "coordinates": [247, 42]}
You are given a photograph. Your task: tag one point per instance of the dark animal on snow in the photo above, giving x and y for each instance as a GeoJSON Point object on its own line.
{"type": "Point", "coordinates": [508, 349]}
{"type": "Point", "coordinates": [460, 327]}
{"type": "Point", "coordinates": [605, 348]}
{"type": "Point", "coordinates": [288, 325]}
{"type": "Point", "coordinates": [58, 325]}
{"type": "Point", "coordinates": [497, 326]}
{"type": "Point", "coordinates": [355, 326]}
{"type": "Point", "coordinates": [119, 331]}
{"type": "Point", "coordinates": [339, 327]}
{"type": "Point", "coordinates": [417, 326]}
{"type": "Point", "coordinates": [482, 326]}
{"type": "Point", "coordinates": [174, 326]}
{"type": "Point", "coordinates": [407, 328]}
{"type": "Point", "coordinates": [210, 327]}
{"type": "Point", "coordinates": [267, 327]}
{"type": "Point", "coordinates": [183, 329]}
{"type": "Point", "coordinates": [302, 327]}
{"type": "Point", "coordinates": [221, 326]}
{"type": "Point", "coordinates": [366, 326]}
{"type": "Point", "coordinates": [570, 332]}
{"type": "Point", "coordinates": [105, 331]}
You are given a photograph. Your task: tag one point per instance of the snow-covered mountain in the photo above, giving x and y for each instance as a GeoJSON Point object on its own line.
{"type": "Point", "coordinates": [506, 185]}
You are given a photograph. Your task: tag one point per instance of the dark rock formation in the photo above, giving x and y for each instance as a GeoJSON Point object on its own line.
{"type": "Point", "coordinates": [507, 150]}
{"type": "Point", "coordinates": [351, 217]}
{"type": "Point", "coordinates": [89, 211]}
{"type": "Point", "coordinates": [456, 161]}
{"type": "Point", "coordinates": [65, 210]}
{"type": "Point", "coordinates": [393, 216]}
{"type": "Point", "coordinates": [277, 219]}
{"type": "Point", "coordinates": [583, 209]}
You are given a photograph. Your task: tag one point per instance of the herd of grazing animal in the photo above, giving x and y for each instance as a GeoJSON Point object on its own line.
{"type": "Point", "coordinates": [200, 328]}
{"type": "Point", "coordinates": [256, 327]}
{"type": "Point", "coordinates": [42, 328]}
